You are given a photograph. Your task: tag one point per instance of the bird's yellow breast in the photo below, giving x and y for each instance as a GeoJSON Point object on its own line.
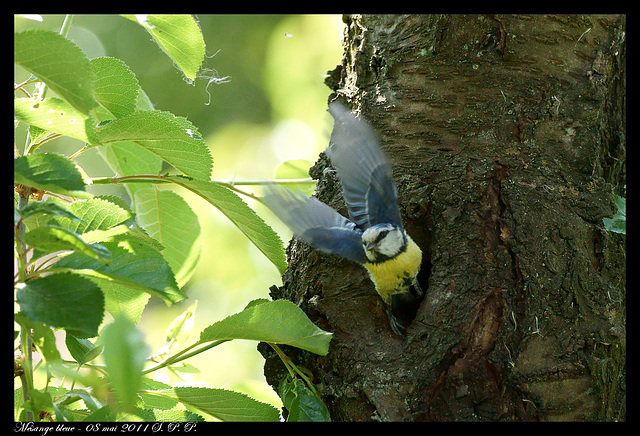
{"type": "Point", "coordinates": [395, 275]}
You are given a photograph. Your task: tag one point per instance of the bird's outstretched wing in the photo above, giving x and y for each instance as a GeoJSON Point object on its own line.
{"type": "Point", "coordinates": [367, 183]}
{"type": "Point", "coordinates": [316, 223]}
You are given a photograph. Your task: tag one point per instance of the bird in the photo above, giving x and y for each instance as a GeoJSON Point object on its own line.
{"type": "Point", "coordinates": [373, 235]}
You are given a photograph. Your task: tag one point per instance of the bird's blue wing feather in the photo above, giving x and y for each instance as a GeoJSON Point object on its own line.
{"type": "Point", "coordinates": [316, 223]}
{"type": "Point", "coordinates": [367, 182]}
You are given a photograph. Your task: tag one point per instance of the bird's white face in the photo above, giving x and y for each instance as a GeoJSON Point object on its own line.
{"type": "Point", "coordinates": [383, 241]}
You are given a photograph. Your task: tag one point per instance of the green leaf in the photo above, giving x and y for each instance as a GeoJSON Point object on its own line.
{"type": "Point", "coordinates": [621, 203]}
{"type": "Point", "coordinates": [49, 172]}
{"type": "Point", "coordinates": [46, 207]}
{"type": "Point", "coordinates": [153, 401]}
{"type": "Point", "coordinates": [124, 354]}
{"type": "Point", "coordinates": [38, 219]}
{"type": "Point", "coordinates": [618, 223]}
{"type": "Point", "coordinates": [122, 229]}
{"type": "Point", "coordinates": [39, 401]}
{"type": "Point", "coordinates": [223, 404]}
{"type": "Point", "coordinates": [296, 169]}
{"type": "Point", "coordinates": [42, 337]}
{"type": "Point", "coordinates": [177, 415]}
{"type": "Point", "coordinates": [92, 379]}
{"type": "Point", "coordinates": [93, 236]}
{"type": "Point", "coordinates": [169, 219]}
{"type": "Point", "coordinates": [180, 38]}
{"type": "Point", "coordinates": [279, 322]}
{"type": "Point", "coordinates": [615, 225]}
{"type": "Point", "coordinates": [45, 342]}
{"type": "Point", "coordinates": [52, 238]}
{"type": "Point", "coordinates": [127, 158]}
{"type": "Point", "coordinates": [124, 300]}
{"type": "Point", "coordinates": [171, 138]}
{"type": "Point", "coordinates": [97, 213]}
{"type": "Point", "coordinates": [82, 350]}
{"type": "Point", "coordinates": [134, 264]}
{"type": "Point", "coordinates": [36, 134]}
{"type": "Point", "coordinates": [63, 300]}
{"type": "Point", "coordinates": [117, 88]}
{"type": "Point", "coordinates": [240, 214]}
{"type": "Point", "coordinates": [104, 414]}
{"type": "Point", "coordinates": [85, 395]}
{"type": "Point", "coordinates": [178, 331]}
{"type": "Point", "coordinates": [302, 404]}
{"type": "Point", "coordinates": [59, 63]}
{"type": "Point", "coordinates": [56, 116]}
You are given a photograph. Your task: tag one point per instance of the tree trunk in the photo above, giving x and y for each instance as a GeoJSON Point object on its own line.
{"type": "Point", "coordinates": [507, 138]}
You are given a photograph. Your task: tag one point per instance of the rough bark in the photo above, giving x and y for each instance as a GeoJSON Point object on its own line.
{"type": "Point", "coordinates": [507, 138]}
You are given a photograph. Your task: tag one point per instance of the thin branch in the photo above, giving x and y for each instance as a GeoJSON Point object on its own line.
{"type": "Point", "coordinates": [33, 147]}
{"type": "Point", "coordinates": [144, 178]}
{"type": "Point", "coordinates": [231, 184]}
{"type": "Point", "coordinates": [82, 150]}
{"type": "Point", "coordinates": [292, 368]}
{"type": "Point", "coordinates": [263, 181]}
{"type": "Point", "coordinates": [183, 355]}
{"type": "Point", "coordinates": [20, 86]}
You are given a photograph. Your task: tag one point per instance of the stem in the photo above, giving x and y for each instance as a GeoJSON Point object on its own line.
{"type": "Point", "coordinates": [82, 150]}
{"type": "Point", "coordinates": [66, 25]}
{"type": "Point", "coordinates": [263, 182]}
{"type": "Point", "coordinates": [100, 368]}
{"type": "Point", "coordinates": [22, 252]}
{"type": "Point", "coordinates": [183, 355]}
{"type": "Point", "coordinates": [146, 178]}
{"type": "Point", "coordinates": [35, 146]}
{"type": "Point", "coordinates": [139, 178]}
{"type": "Point", "coordinates": [240, 191]}
{"type": "Point", "coordinates": [23, 199]}
{"type": "Point", "coordinates": [26, 378]}
{"type": "Point", "coordinates": [21, 86]}
{"type": "Point", "coordinates": [292, 368]}
{"type": "Point", "coordinates": [231, 184]}
{"type": "Point", "coordinates": [284, 358]}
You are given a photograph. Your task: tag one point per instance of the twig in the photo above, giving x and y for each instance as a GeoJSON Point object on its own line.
{"type": "Point", "coordinates": [231, 184]}
{"type": "Point", "coordinates": [20, 86]}
{"type": "Point", "coordinates": [183, 354]}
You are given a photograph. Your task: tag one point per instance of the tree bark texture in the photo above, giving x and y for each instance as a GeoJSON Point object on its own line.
{"type": "Point", "coordinates": [507, 138]}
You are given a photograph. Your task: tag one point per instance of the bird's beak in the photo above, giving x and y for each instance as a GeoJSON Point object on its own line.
{"type": "Point", "coordinates": [369, 246]}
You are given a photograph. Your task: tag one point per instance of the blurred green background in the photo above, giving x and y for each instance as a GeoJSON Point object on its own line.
{"type": "Point", "coordinates": [272, 108]}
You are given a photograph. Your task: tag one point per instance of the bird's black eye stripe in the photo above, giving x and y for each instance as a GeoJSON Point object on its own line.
{"type": "Point", "coordinates": [381, 235]}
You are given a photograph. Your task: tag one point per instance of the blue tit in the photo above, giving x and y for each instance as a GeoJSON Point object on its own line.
{"type": "Point", "coordinates": [373, 236]}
